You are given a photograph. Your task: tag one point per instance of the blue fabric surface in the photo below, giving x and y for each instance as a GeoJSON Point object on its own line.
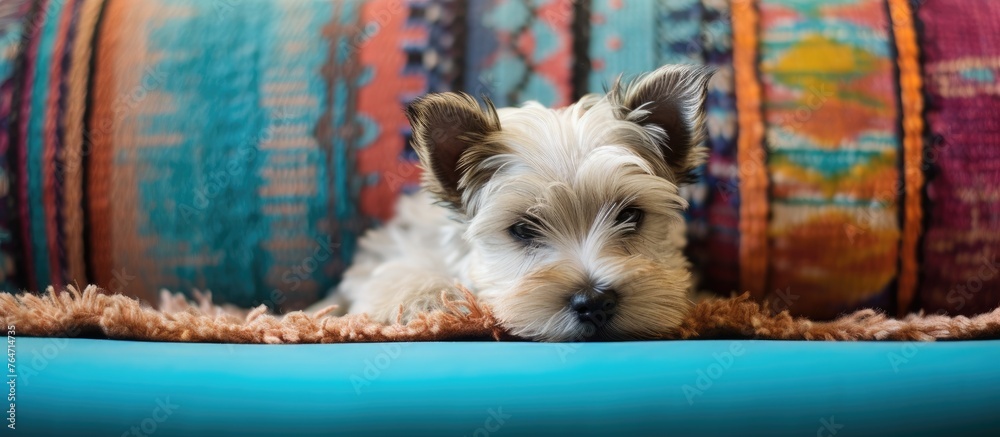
{"type": "Point", "coordinates": [105, 387]}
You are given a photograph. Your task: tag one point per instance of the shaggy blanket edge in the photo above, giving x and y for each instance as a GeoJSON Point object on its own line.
{"type": "Point", "coordinates": [97, 313]}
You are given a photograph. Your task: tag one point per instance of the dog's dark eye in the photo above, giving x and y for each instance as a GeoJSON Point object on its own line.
{"type": "Point", "coordinates": [523, 231]}
{"type": "Point", "coordinates": [629, 216]}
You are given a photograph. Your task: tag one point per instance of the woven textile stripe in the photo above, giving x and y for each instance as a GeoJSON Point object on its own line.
{"type": "Point", "coordinates": [98, 166]}
{"type": "Point", "coordinates": [442, 53]}
{"type": "Point", "coordinates": [255, 199]}
{"type": "Point", "coordinates": [912, 106]}
{"type": "Point", "coordinates": [75, 138]}
{"type": "Point", "coordinates": [834, 150]}
{"type": "Point", "coordinates": [43, 204]}
{"type": "Point", "coordinates": [750, 150]}
{"type": "Point", "coordinates": [13, 29]}
{"type": "Point", "coordinates": [717, 253]}
{"type": "Point", "coordinates": [677, 39]}
{"type": "Point", "coordinates": [27, 145]}
{"type": "Point", "coordinates": [382, 165]}
{"type": "Point", "coordinates": [630, 38]}
{"type": "Point", "coordinates": [678, 31]}
{"type": "Point", "coordinates": [961, 41]}
{"type": "Point", "coordinates": [615, 26]}
{"type": "Point", "coordinates": [53, 142]}
{"type": "Point", "coordinates": [432, 42]}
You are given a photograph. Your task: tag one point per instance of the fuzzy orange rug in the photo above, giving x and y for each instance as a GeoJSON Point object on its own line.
{"type": "Point", "coordinates": [96, 313]}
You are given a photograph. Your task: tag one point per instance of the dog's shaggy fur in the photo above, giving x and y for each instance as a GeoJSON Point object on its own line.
{"type": "Point", "coordinates": [567, 222]}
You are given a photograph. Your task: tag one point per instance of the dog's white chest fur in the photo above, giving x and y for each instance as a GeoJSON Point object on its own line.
{"type": "Point", "coordinates": [566, 221]}
{"type": "Point", "coordinates": [408, 262]}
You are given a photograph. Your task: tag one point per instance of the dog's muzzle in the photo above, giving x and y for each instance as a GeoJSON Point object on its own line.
{"type": "Point", "coordinates": [594, 306]}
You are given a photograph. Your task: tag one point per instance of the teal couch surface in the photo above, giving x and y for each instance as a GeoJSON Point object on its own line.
{"type": "Point", "coordinates": [122, 388]}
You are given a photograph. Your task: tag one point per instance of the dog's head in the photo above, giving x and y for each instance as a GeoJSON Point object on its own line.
{"type": "Point", "coordinates": [573, 215]}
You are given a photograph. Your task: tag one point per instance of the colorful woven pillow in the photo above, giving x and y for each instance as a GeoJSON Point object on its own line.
{"type": "Point", "coordinates": [186, 144]}
{"type": "Point", "coordinates": [961, 247]}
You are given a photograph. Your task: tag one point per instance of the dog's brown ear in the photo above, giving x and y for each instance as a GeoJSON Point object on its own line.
{"type": "Point", "coordinates": [445, 126]}
{"type": "Point", "coordinates": [670, 102]}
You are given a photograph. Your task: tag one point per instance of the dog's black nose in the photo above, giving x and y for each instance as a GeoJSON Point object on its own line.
{"type": "Point", "coordinates": [594, 305]}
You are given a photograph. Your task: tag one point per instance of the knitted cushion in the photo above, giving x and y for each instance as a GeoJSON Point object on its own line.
{"type": "Point", "coordinates": [241, 148]}
{"type": "Point", "coordinates": [12, 33]}
{"type": "Point", "coordinates": [961, 271]}
{"type": "Point", "coordinates": [833, 149]}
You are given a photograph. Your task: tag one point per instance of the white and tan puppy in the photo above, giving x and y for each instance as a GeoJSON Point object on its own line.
{"type": "Point", "coordinates": [568, 222]}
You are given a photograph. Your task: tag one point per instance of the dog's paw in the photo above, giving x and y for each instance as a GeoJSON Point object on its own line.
{"type": "Point", "coordinates": [426, 303]}
{"type": "Point", "coordinates": [333, 299]}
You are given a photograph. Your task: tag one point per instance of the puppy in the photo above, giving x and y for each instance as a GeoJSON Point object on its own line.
{"type": "Point", "coordinates": [568, 222]}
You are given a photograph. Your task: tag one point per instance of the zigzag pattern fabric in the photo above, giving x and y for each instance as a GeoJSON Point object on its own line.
{"type": "Point", "coordinates": [520, 50]}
